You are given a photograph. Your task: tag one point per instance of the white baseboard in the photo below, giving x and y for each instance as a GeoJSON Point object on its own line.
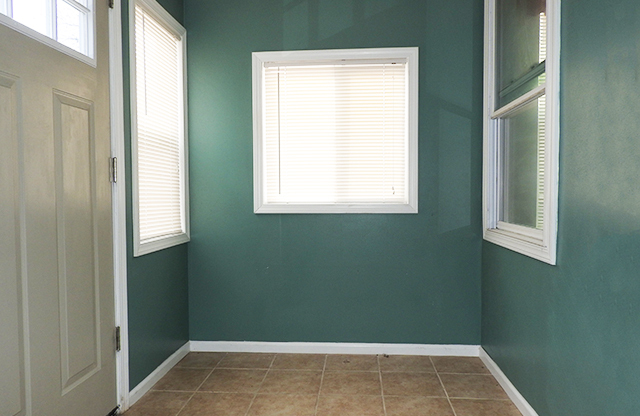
{"type": "Point", "coordinates": [513, 393]}
{"type": "Point", "coordinates": [146, 384]}
{"type": "Point", "coordinates": [335, 348]}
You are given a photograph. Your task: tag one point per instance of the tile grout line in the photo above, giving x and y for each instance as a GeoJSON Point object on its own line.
{"type": "Point", "coordinates": [442, 385]}
{"type": "Point", "coordinates": [200, 385]}
{"type": "Point", "coordinates": [384, 405]}
{"type": "Point", "coordinates": [324, 367]}
{"type": "Point", "coordinates": [220, 364]}
{"type": "Point", "coordinates": [261, 383]}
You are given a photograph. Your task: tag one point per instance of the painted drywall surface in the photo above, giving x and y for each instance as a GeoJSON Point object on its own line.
{"type": "Point", "coordinates": [568, 335]}
{"type": "Point", "coordinates": [156, 282]}
{"type": "Point", "coordinates": [339, 278]}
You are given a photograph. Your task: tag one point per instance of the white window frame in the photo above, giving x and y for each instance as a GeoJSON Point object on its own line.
{"type": "Point", "coordinates": [260, 58]}
{"type": "Point", "coordinates": [157, 11]}
{"type": "Point", "coordinates": [87, 56]}
{"type": "Point", "coordinates": [538, 244]}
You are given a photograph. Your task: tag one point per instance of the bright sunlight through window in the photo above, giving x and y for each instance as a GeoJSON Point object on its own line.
{"type": "Point", "coordinates": [335, 131]}
{"type": "Point", "coordinates": [69, 22]}
{"type": "Point", "coordinates": [521, 126]}
{"type": "Point", "coordinates": [160, 209]}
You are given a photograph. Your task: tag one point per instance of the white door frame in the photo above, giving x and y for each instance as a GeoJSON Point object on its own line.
{"type": "Point", "coordinates": [119, 206]}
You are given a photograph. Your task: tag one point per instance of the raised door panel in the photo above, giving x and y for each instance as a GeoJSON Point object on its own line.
{"type": "Point", "coordinates": [77, 273]}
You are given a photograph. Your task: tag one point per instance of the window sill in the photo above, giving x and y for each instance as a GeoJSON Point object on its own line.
{"type": "Point", "coordinates": [140, 249]}
{"type": "Point", "coordinates": [337, 208]}
{"type": "Point", "coordinates": [526, 245]}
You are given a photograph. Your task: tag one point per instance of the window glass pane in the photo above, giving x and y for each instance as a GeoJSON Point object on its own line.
{"type": "Point", "coordinates": [70, 26]}
{"type": "Point", "coordinates": [521, 52]}
{"type": "Point", "coordinates": [69, 22]}
{"type": "Point", "coordinates": [523, 133]}
{"type": "Point", "coordinates": [32, 13]}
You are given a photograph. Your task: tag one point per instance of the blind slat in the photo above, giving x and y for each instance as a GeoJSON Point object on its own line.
{"type": "Point", "coordinates": [336, 133]}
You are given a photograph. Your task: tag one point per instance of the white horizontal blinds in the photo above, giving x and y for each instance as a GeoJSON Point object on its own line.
{"type": "Point", "coordinates": [336, 133]}
{"type": "Point", "coordinates": [542, 118]}
{"type": "Point", "coordinates": [159, 129]}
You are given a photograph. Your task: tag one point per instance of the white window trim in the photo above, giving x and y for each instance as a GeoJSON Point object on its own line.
{"type": "Point", "coordinates": [540, 245]}
{"type": "Point", "coordinates": [259, 58]}
{"type": "Point", "coordinates": [48, 40]}
{"type": "Point", "coordinates": [139, 249]}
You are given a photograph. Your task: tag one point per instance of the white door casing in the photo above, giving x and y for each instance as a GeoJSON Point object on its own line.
{"type": "Point", "coordinates": [56, 289]}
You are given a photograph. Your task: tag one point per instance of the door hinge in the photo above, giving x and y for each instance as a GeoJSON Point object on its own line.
{"type": "Point", "coordinates": [111, 4]}
{"type": "Point", "coordinates": [115, 411]}
{"type": "Point", "coordinates": [118, 339]}
{"type": "Point", "coordinates": [113, 168]}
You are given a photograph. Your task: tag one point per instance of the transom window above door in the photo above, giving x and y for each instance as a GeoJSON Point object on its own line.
{"type": "Point", "coordinates": [66, 25]}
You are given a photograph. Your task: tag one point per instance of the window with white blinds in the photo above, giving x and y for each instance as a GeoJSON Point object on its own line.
{"type": "Point", "coordinates": [159, 137]}
{"type": "Point", "coordinates": [335, 131]}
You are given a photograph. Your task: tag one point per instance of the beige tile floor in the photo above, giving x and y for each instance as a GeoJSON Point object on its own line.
{"type": "Point", "coordinates": [242, 384]}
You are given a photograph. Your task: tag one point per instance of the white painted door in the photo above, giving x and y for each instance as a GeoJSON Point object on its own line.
{"type": "Point", "coordinates": [57, 353]}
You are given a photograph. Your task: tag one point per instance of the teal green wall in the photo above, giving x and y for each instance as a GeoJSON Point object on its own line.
{"type": "Point", "coordinates": [347, 278]}
{"type": "Point", "coordinates": [568, 336]}
{"type": "Point", "coordinates": [157, 282]}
